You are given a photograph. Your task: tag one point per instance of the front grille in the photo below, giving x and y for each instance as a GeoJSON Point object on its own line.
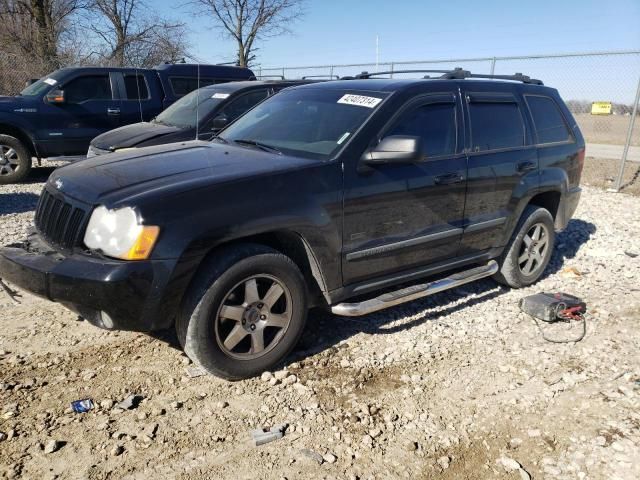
{"type": "Point", "coordinates": [59, 220]}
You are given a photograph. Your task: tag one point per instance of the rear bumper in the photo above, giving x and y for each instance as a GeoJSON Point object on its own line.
{"type": "Point", "coordinates": [568, 205]}
{"type": "Point", "coordinates": [108, 293]}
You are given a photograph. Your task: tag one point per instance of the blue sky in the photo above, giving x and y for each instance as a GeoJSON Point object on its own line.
{"type": "Point", "coordinates": [335, 32]}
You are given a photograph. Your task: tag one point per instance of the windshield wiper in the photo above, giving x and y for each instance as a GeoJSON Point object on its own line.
{"type": "Point", "coordinates": [260, 145]}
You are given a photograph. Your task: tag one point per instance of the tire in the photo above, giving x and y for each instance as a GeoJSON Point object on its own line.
{"type": "Point", "coordinates": [15, 160]}
{"type": "Point", "coordinates": [223, 317]}
{"type": "Point", "coordinates": [519, 252]}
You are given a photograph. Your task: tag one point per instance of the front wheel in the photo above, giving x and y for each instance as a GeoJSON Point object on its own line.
{"type": "Point", "coordinates": [529, 250]}
{"type": "Point", "coordinates": [15, 160]}
{"type": "Point", "coordinates": [244, 312]}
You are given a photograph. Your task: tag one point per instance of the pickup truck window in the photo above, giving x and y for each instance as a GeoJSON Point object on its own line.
{"type": "Point", "coordinates": [41, 86]}
{"type": "Point", "coordinates": [548, 120]}
{"type": "Point", "coordinates": [435, 123]}
{"type": "Point", "coordinates": [136, 87]}
{"type": "Point", "coordinates": [90, 87]}
{"type": "Point", "coordinates": [308, 123]}
{"type": "Point", "coordinates": [183, 85]}
{"type": "Point", "coordinates": [495, 126]}
{"type": "Point", "coordinates": [182, 113]}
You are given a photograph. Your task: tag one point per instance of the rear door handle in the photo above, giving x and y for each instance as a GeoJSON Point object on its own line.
{"type": "Point", "coordinates": [526, 166]}
{"type": "Point", "coordinates": [448, 178]}
{"type": "Point", "coordinates": [113, 111]}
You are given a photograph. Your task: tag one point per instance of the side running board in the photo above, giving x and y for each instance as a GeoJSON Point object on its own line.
{"type": "Point", "coordinates": [413, 292]}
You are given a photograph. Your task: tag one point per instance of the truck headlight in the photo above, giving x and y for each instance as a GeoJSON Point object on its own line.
{"type": "Point", "coordinates": [119, 234]}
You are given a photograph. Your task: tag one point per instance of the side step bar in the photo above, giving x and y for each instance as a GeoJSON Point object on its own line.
{"type": "Point", "coordinates": [413, 292]}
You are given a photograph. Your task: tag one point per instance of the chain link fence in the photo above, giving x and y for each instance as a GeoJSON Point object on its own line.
{"type": "Point", "coordinates": [582, 79]}
{"type": "Point", "coordinates": [17, 71]}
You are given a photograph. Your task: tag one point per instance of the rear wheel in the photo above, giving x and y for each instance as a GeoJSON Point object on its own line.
{"type": "Point", "coordinates": [529, 250]}
{"type": "Point", "coordinates": [15, 160]}
{"type": "Point", "coordinates": [244, 312]}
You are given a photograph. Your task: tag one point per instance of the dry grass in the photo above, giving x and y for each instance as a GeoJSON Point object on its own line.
{"type": "Point", "coordinates": [611, 129]}
{"type": "Point", "coordinates": [602, 173]}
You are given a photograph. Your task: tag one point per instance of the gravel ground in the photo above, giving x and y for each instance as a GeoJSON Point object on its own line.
{"type": "Point", "coordinates": [459, 385]}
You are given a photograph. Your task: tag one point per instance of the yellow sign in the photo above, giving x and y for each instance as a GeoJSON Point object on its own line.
{"type": "Point", "coordinates": [601, 108]}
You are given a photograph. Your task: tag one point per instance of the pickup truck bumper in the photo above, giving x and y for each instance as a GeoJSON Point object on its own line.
{"type": "Point", "coordinates": [111, 294]}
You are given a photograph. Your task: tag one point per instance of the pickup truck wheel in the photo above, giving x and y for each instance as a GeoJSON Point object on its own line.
{"type": "Point", "coordinates": [15, 160]}
{"type": "Point", "coordinates": [244, 312]}
{"type": "Point", "coordinates": [529, 250]}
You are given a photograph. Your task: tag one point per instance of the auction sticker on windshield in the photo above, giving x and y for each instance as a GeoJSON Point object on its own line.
{"type": "Point", "coordinates": [50, 81]}
{"type": "Point", "coordinates": [220, 95]}
{"type": "Point", "coordinates": [360, 100]}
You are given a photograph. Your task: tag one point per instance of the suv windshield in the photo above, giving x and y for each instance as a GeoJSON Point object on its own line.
{"type": "Point", "coordinates": [41, 86]}
{"type": "Point", "coordinates": [311, 123]}
{"type": "Point", "coordinates": [183, 112]}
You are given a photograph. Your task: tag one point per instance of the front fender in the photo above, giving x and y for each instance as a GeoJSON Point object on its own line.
{"type": "Point", "coordinates": [12, 122]}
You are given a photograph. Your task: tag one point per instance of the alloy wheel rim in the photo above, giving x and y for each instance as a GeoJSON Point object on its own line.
{"type": "Point", "coordinates": [253, 317]}
{"type": "Point", "coordinates": [533, 249]}
{"type": "Point", "coordinates": [9, 161]}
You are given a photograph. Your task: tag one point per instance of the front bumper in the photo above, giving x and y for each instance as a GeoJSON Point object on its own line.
{"type": "Point", "coordinates": [109, 293]}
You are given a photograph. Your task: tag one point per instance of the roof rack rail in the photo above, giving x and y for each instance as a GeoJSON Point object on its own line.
{"type": "Point", "coordinates": [277, 77]}
{"type": "Point", "coordinates": [331, 77]}
{"type": "Point", "coordinates": [455, 74]}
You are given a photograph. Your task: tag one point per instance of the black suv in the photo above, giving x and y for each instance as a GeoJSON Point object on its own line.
{"type": "Point", "coordinates": [202, 113]}
{"type": "Point", "coordinates": [319, 195]}
{"type": "Point", "coordinates": [59, 114]}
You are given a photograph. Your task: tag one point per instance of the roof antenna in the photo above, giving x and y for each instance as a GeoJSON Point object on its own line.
{"type": "Point", "coordinates": [139, 99]}
{"type": "Point", "coordinates": [198, 103]}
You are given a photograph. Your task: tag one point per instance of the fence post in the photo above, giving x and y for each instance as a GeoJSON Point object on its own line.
{"type": "Point", "coordinates": [627, 144]}
{"type": "Point", "coordinates": [331, 73]}
{"type": "Point", "coordinates": [283, 73]}
{"type": "Point", "coordinates": [392, 68]}
{"type": "Point", "coordinates": [493, 65]}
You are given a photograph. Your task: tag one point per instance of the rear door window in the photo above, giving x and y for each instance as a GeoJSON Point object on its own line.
{"type": "Point", "coordinates": [435, 123]}
{"type": "Point", "coordinates": [548, 120]}
{"type": "Point", "coordinates": [90, 87]}
{"type": "Point", "coordinates": [495, 125]}
{"type": "Point", "coordinates": [136, 87]}
{"type": "Point", "coordinates": [183, 85]}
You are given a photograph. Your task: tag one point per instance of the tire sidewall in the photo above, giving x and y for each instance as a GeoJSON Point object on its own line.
{"type": "Point", "coordinates": [24, 158]}
{"type": "Point", "coordinates": [539, 215]}
{"type": "Point", "coordinates": [200, 342]}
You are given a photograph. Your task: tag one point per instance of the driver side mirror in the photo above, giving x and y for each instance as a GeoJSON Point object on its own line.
{"type": "Point", "coordinates": [395, 149]}
{"type": "Point", "coordinates": [56, 97]}
{"type": "Point", "coordinates": [219, 122]}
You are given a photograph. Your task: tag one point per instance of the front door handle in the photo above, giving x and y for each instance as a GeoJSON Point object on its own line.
{"type": "Point", "coordinates": [113, 111]}
{"type": "Point", "coordinates": [526, 166]}
{"type": "Point", "coordinates": [448, 178]}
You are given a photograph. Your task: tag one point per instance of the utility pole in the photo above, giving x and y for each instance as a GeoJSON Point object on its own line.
{"type": "Point", "coordinates": [377, 52]}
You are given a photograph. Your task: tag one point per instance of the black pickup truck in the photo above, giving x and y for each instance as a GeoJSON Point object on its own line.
{"type": "Point", "coordinates": [59, 114]}
{"type": "Point", "coordinates": [322, 195]}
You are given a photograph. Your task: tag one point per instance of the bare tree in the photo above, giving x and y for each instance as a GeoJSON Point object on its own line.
{"type": "Point", "coordinates": [35, 29]}
{"type": "Point", "coordinates": [129, 35]}
{"type": "Point", "coordinates": [248, 21]}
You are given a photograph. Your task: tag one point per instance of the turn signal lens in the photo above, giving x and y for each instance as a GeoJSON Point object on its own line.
{"type": "Point", "coordinates": [144, 243]}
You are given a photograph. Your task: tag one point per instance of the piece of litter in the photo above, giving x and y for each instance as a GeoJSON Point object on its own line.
{"type": "Point", "coordinates": [630, 254]}
{"type": "Point", "coordinates": [570, 272]}
{"type": "Point", "coordinates": [82, 406]}
{"type": "Point", "coordinates": [194, 372]}
{"type": "Point", "coordinates": [262, 435]}
{"type": "Point", "coordinates": [130, 402]}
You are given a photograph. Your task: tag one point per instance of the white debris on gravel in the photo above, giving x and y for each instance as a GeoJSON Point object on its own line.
{"type": "Point", "coordinates": [440, 386]}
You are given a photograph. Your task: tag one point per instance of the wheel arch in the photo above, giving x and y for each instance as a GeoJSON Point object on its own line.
{"type": "Point", "coordinates": [20, 134]}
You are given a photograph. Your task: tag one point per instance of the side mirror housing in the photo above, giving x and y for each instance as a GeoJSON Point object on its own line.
{"type": "Point", "coordinates": [219, 122]}
{"type": "Point", "coordinates": [395, 149]}
{"type": "Point", "coordinates": [56, 97]}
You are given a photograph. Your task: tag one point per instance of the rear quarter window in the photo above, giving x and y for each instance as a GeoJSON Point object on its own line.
{"type": "Point", "coordinates": [548, 120]}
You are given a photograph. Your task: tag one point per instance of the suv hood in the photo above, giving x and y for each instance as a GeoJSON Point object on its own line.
{"type": "Point", "coordinates": [132, 135]}
{"type": "Point", "coordinates": [119, 179]}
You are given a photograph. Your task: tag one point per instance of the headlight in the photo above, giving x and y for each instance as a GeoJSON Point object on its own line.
{"type": "Point", "coordinates": [118, 233]}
